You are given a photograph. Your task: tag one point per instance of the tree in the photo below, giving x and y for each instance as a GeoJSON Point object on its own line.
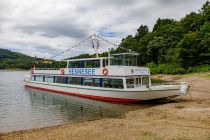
{"type": "Point", "coordinates": [204, 44]}
{"type": "Point", "coordinates": [128, 44]}
{"type": "Point", "coordinates": [186, 51]}
{"type": "Point", "coordinates": [141, 32]}
{"type": "Point", "coordinates": [154, 49]}
{"type": "Point", "coordinates": [161, 23]}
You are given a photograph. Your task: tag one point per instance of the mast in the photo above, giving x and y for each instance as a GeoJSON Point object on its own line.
{"type": "Point", "coordinates": [95, 43]}
{"type": "Point", "coordinates": [109, 56]}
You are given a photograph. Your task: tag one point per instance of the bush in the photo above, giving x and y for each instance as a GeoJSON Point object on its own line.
{"type": "Point", "coordinates": [201, 68]}
{"type": "Point", "coordinates": [174, 69]}
{"type": "Point", "coordinates": [165, 69]}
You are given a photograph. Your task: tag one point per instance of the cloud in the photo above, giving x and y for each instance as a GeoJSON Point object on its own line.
{"type": "Point", "coordinates": [55, 28]}
{"type": "Point", "coordinates": [46, 27]}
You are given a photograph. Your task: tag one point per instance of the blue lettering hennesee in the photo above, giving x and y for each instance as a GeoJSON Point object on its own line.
{"type": "Point", "coordinates": [93, 71]}
{"type": "Point", "coordinates": [82, 71]}
{"type": "Point", "coordinates": [86, 71]}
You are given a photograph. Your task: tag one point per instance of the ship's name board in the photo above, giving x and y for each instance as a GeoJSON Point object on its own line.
{"type": "Point", "coordinates": [141, 72]}
{"type": "Point", "coordinates": [82, 71]}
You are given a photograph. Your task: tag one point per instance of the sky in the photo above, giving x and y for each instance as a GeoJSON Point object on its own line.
{"type": "Point", "coordinates": [44, 28]}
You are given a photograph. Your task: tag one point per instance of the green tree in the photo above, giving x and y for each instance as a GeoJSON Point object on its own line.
{"type": "Point", "coordinates": [162, 22]}
{"type": "Point", "coordinates": [186, 51]}
{"type": "Point", "coordinates": [128, 44]}
{"type": "Point", "coordinates": [141, 32]}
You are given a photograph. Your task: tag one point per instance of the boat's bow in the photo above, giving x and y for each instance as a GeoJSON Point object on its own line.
{"type": "Point", "coordinates": [184, 88]}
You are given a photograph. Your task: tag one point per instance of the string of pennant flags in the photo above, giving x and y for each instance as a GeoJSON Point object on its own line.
{"type": "Point", "coordinates": [88, 38]}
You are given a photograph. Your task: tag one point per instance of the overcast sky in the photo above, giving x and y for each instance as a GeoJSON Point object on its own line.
{"type": "Point", "coordinates": [47, 27]}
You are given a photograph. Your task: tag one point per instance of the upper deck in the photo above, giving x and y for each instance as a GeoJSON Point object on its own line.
{"type": "Point", "coordinates": [123, 64]}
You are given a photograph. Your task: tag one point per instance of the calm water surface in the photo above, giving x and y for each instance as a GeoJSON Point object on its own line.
{"type": "Point", "coordinates": [24, 108]}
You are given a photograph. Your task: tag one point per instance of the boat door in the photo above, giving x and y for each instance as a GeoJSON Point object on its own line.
{"type": "Point", "coordinates": [137, 81]}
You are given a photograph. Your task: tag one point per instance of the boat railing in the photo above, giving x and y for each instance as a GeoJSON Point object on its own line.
{"type": "Point", "coordinates": [170, 83]}
{"type": "Point", "coordinates": [47, 68]}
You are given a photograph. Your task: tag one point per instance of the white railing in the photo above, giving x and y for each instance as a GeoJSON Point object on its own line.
{"type": "Point", "coordinates": [48, 68]}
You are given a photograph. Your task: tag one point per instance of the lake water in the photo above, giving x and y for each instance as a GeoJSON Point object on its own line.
{"type": "Point", "coordinates": [24, 108]}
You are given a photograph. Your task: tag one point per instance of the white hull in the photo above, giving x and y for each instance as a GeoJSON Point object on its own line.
{"type": "Point", "coordinates": [122, 95]}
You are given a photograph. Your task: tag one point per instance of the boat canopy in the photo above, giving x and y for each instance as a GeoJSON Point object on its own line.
{"type": "Point", "coordinates": [125, 59]}
{"type": "Point", "coordinates": [120, 59]}
{"type": "Point", "coordinates": [86, 59]}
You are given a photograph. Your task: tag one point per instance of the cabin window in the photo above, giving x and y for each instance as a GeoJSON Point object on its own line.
{"type": "Point", "coordinates": [124, 59]}
{"type": "Point", "coordinates": [95, 82]}
{"type": "Point", "coordinates": [76, 64]}
{"type": "Point", "coordinates": [130, 60]}
{"type": "Point", "coordinates": [39, 78]}
{"type": "Point", "coordinates": [49, 79]}
{"type": "Point", "coordinates": [59, 79]}
{"type": "Point", "coordinates": [75, 80]}
{"type": "Point", "coordinates": [137, 81]}
{"type": "Point", "coordinates": [92, 63]}
{"type": "Point", "coordinates": [33, 78]}
{"type": "Point", "coordinates": [117, 60]}
{"type": "Point", "coordinates": [113, 83]}
{"type": "Point", "coordinates": [130, 83]}
{"type": "Point", "coordinates": [105, 62]}
{"type": "Point", "coordinates": [145, 81]}
{"type": "Point", "coordinates": [117, 83]}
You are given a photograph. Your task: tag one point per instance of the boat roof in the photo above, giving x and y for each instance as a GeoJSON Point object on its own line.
{"type": "Point", "coordinates": [99, 58]}
{"type": "Point", "coordinates": [83, 59]}
{"type": "Point", "coordinates": [125, 54]}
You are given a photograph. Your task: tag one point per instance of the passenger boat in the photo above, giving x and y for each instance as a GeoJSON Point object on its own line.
{"type": "Point", "coordinates": [113, 78]}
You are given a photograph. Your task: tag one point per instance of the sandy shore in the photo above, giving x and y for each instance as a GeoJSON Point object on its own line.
{"type": "Point", "coordinates": [182, 118]}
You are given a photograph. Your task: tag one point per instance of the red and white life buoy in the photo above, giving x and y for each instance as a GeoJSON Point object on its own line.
{"type": "Point", "coordinates": [33, 68]}
{"type": "Point", "coordinates": [105, 71]}
{"type": "Point", "coordinates": [62, 71]}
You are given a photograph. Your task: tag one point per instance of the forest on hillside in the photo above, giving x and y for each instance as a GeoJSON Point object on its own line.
{"type": "Point", "coordinates": [10, 59]}
{"type": "Point", "coordinates": [173, 46]}
{"type": "Point", "coordinates": [15, 60]}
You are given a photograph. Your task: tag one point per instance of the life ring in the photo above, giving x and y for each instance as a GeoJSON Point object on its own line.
{"type": "Point", "coordinates": [62, 71]}
{"type": "Point", "coordinates": [33, 68]}
{"type": "Point", "coordinates": [32, 71]}
{"type": "Point", "coordinates": [105, 71]}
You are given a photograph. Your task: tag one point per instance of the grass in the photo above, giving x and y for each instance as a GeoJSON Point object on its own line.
{"type": "Point", "coordinates": [148, 135]}
{"type": "Point", "coordinates": [174, 69]}
{"type": "Point", "coordinates": [158, 81]}
{"type": "Point", "coordinates": [180, 138]}
{"type": "Point", "coordinates": [179, 106]}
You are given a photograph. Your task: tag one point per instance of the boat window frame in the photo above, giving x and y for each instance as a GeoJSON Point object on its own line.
{"type": "Point", "coordinates": [47, 76]}
{"type": "Point", "coordinates": [125, 59]}
{"type": "Point", "coordinates": [64, 79]}
{"type": "Point", "coordinates": [81, 81]}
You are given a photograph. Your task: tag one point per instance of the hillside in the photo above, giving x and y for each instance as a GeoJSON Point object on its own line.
{"type": "Point", "coordinates": [15, 60]}
{"type": "Point", "coordinates": [9, 59]}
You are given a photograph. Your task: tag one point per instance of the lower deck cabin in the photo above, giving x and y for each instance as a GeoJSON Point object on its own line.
{"type": "Point", "coordinates": [104, 82]}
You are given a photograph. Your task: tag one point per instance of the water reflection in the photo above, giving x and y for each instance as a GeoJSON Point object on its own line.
{"type": "Point", "coordinates": [74, 108]}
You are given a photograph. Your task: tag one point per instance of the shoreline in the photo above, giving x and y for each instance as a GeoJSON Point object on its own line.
{"type": "Point", "coordinates": [186, 117]}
